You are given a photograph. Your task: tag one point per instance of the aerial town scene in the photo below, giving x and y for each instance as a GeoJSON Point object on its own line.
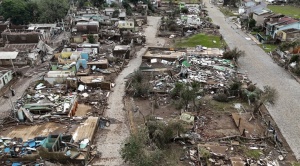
{"type": "Point", "coordinates": [150, 83]}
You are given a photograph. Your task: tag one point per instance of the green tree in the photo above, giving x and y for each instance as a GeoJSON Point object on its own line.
{"type": "Point", "coordinates": [16, 10]}
{"type": "Point", "coordinates": [185, 10]}
{"type": "Point", "coordinates": [269, 94]}
{"type": "Point", "coordinates": [136, 150]}
{"type": "Point", "coordinates": [52, 10]}
{"type": "Point", "coordinates": [32, 8]}
{"type": "Point", "coordinates": [91, 39]}
{"type": "Point", "coordinates": [252, 23]}
{"type": "Point", "coordinates": [115, 14]}
{"type": "Point", "coordinates": [233, 54]}
{"type": "Point", "coordinates": [97, 3]}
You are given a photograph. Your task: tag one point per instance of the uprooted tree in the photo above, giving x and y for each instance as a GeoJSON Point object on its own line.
{"type": "Point", "coordinates": [268, 95]}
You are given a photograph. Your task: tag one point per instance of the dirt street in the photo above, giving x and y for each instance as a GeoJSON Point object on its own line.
{"type": "Point", "coordinates": [109, 140]}
{"type": "Point", "coordinates": [263, 71]}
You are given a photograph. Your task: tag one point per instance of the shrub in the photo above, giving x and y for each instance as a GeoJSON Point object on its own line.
{"type": "Point", "coordinates": [294, 58]}
{"type": "Point", "coordinates": [221, 97]}
{"type": "Point", "coordinates": [251, 88]}
{"type": "Point", "coordinates": [176, 90]}
{"type": "Point", "coordinates": [91, 39]}
{"type": "Point", "coordinates": [233, 54]}
{"type": "Point", "coordinates": [185, 10]}
{"type": "Point", "coordinates": [137, 76]}
{"type": "Point", "coordinates": [140, 90]}
{"type": "Point", "coordinates": [235, 86]}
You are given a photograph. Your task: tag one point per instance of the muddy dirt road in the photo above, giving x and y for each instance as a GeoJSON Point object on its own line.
{"type": "Point", "coordinates": [109, 140]}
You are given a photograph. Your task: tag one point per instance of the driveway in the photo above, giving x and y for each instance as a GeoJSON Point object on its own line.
{"type": "Point", "coordinates": [111, 139]}
{"type": "Point", "coordinates": [262, 70]}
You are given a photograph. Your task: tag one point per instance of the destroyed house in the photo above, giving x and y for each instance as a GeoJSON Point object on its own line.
{"type": "Point", "coordinates": [21, 36]}
{"type": "Point", "coordinates": [68, 149]}
{"type": "Point", "coordinates": [12, 58]}
{"type": "Point", "coordinates": [90, 27]}
{"type": "Point", "coordinates": [280, 24]}
{"type": "Point", "coordinates": [122, 51]}
{"type": "Point", "coordinates": [288, 34]}
{"type": "Point", "coordinates": [59, 76]}
{"type": "Point", "coordinates": [53, 103]}
{"type": "Point", "coordinates": [80, 38]}
{"type": "Point", "coordinates": [31, 53]}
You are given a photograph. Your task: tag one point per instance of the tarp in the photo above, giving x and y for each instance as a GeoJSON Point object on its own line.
{"type": "Point", "coordinates": [186, 64]}
{"type": "Point", "coordinates": [187, 117]}
{"type": "Point", "coordinates": [65, 55]}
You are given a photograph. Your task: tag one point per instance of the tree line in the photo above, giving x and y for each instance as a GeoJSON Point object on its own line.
{"type": "Point", "coordinates": [22, 12]}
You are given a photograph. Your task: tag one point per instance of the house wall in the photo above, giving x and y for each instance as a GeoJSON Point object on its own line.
{"type": "Point", "coordinates": [126, 24]}
{"type": "Point", "coordinates": [5, 78]}
{"type": "Point", "coordinates": [15, 38]}
{"type": "Point", "coordinates": [19, 61]}
{"type": "Point", "coordinates": [58, 77]}
{"type": "Point", "coordinates": [259, 19]}
{"type": "Point", "coordinates": [295, 25]}
{"type": "Point", "coordinates": [120, 53]}
{"type": "Point", "coordinates": [87, 28]}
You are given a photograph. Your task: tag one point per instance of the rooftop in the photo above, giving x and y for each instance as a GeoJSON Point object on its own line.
{"type": "Point", "coordinates": [8, 55]}
{"type": "Point", "coordinates": [121, 47]}
{"type": "Point", "coordinates": [292, 30]}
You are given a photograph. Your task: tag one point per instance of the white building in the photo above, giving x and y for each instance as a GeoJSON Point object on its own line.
{"type": "Point", "coordinates": [5, 77]}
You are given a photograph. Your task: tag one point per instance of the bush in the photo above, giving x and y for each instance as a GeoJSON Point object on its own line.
{"type": "Point", "coordinates": [176, 90]}
{"type": "Point", "coordinates": [235, 86]}
{"type": "Point", "coordinates": [297, 70]}
{"type": "Point", "coordinates": [251, 88]}
{"type": "Point", "coordinates": [185, 10]}
{"type": "Point", "coordinates": [221, 97]}
{"type": "Point", "coordinates": [91, 39]}
{"type": "Point", "coordinates": [115, 14]}
{"type": "Point", "coordinates": [140, 90]}
{"type": "Point", "coordinates": [137, 76]}
{"type": "Point", "coordinates": [233, 54]}
{"type": "Point", "coordinates": [294, 58]}
{"type": "Point", "coordinates": [162, 134]}
{"type": "Point", "coordinates": [136, 151]}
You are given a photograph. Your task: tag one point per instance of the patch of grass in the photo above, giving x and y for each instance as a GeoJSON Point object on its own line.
{"type": "Point", "coordinates": [288, 10]}
{"type": "Point", "coordinates": [172, 155]}
{"type": "Point", "coordinates": [201, 39]}
{"type": "Point", "coordinates": [226, 11]}
{"type": "Point", "coordinates": [268, 47]}
{"type": "Point", "coordinates": [295, 164]}
{"type": "Point", "coordinates": [253, 153]}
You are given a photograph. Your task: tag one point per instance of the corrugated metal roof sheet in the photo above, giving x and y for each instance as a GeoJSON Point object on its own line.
{"type": "Point", "coordinates": [8, 55]}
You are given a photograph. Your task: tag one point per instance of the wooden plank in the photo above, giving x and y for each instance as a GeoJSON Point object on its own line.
{"type": "Point", "coordinates": [27, 114]}
{"type": "Point", "coordinates": [86, 130]}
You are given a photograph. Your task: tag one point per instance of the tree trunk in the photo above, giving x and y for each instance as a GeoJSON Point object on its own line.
{"type": "Point", "coordinates": [256, 107]}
